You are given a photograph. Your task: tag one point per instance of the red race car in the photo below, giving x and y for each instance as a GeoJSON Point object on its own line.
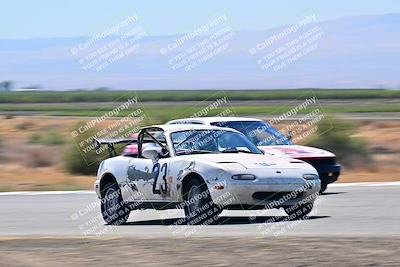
{"type": "Point", "coordinates": [273, 142]}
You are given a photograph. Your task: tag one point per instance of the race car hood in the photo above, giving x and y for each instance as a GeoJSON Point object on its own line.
{"type": "Point", "coordinates": [250, 161]}
{"type": "Point", "coordinates": [297, 152]}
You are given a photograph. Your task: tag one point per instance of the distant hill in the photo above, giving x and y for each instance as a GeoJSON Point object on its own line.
{"type": "Point", "coordinates": [353, 52]}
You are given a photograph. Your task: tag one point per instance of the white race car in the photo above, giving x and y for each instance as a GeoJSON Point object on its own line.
{"type": "Point", "coordinates": [202, 169]}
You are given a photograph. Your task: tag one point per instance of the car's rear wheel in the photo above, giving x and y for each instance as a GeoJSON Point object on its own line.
{"type": "Point", "coordinates": [199, 207]}
{"type": "Point", "coordinates": [299, 211]}
{"type": "Point", "coordinates": [113, 208]}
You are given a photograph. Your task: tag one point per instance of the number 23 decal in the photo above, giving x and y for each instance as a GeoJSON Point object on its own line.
{"type": "Point", "coordinates": [156, 170]}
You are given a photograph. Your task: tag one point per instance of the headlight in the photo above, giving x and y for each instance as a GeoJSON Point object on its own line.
{"type": "Point", "coordinates": [243, 177]}
{"type": "Point", "coordinates": [311, 176]}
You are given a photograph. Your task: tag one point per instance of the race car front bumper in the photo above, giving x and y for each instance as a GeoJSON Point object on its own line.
{"type": "Point", "coordinates": [266, 193]}
{"type": "Point", "coordinates": [327, 168]}
{"type": "Point", "coordinates": [328, 173]}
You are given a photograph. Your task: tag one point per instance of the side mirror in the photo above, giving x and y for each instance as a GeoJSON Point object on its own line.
{"type": "Point", "coordinates": [289, 135]}
{"type": "Point", "coordinates": [151, 153]}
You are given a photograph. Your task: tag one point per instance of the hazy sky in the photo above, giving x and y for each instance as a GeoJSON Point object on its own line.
{"type": "Point", "coordinates": [50, 18]}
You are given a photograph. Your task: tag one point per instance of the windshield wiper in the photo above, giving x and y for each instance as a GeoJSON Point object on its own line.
{"type": "Point", "coordinates": [247, 151]}
{"type": "Point", "coordinates": [230, 150]}
{"type": "Point", "coordinates": [235, 150]}
{"type": "Point", "coordinates": [189, 152]}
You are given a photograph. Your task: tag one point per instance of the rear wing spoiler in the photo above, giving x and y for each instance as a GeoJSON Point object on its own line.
{"type": "Point", "coordinates": [110, 142]}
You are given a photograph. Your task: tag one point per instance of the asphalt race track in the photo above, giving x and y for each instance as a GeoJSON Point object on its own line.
{"type": "Point", "coordinates": [345, 210]}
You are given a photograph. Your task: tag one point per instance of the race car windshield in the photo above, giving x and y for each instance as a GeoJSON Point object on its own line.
{"type": "Point", "coordinates": [259, 133]}
{"type": "Point", "coordinates": [211, 141]}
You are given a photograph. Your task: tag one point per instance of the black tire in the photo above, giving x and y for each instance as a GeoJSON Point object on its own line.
{"type": "Point", "coordinates": [113, 208]}
{"type": "Point", "coordinates": [199, 207]}
{"type": "Point", "coordinates": [323, 187]}
{"type": "Point", "coordinates": [299, 211]}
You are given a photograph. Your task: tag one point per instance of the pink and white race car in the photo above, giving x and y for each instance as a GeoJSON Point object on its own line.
{"type": "Point", "coordinates": [273, 142]}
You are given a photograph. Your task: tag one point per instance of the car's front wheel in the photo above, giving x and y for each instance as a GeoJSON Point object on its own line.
{"type": "Point", "coordinates": [113, 208]}
{"type": "Point", "coordinates": [199, 207]}
{"type": "Point", "coordinates": [299, 211]}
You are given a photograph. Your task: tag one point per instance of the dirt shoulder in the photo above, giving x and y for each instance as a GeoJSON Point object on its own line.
{"type": "Point", "coordinates": [200, 252]}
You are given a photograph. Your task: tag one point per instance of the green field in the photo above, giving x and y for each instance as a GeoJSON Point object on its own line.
{"type": "Point", "coordinates": [188, 95]}
{"type": "Point", "coordinates": [165, 105]}
{"type": "Point", "coordinates": [163, 113]}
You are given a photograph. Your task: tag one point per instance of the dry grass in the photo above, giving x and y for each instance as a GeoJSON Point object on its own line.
{"type": "Point", "coordinates": [35, 167]}
{"type": "Point", "coordinates": [15, 178]}
{"type": "Point", "coordinates": [40, 167]}
{"type": "Point", "coordinates": [40, 156]}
